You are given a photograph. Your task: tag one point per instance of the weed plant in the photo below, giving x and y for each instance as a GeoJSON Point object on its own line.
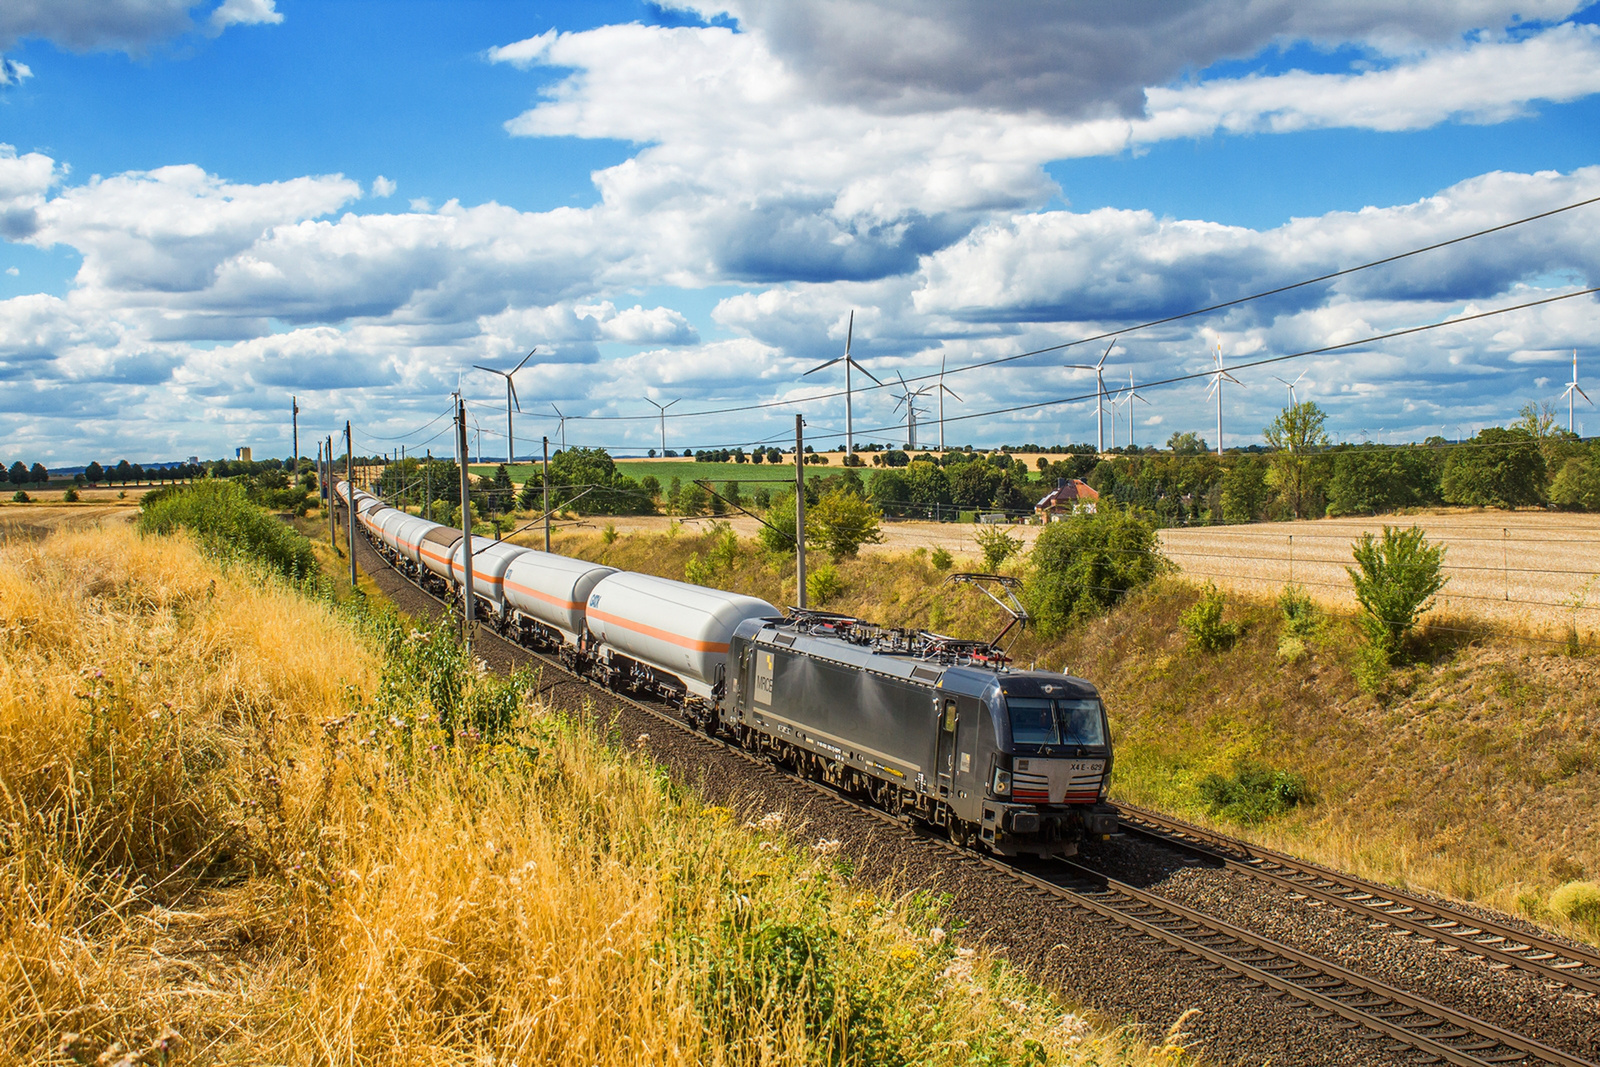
{"type": "Point", "coordinates": [1253, 793]}
{"type": "Point", "coordinates": [1204, 625]}
{"type": "Point", "coordinates": [997, 546]}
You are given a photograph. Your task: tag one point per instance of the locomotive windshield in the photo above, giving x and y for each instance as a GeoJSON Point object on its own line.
{"type": "Point", "coordinates": [1037, 721]}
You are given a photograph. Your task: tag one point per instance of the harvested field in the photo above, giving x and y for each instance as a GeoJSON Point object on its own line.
{"type": "Point", "coordinates": [1534, 572]}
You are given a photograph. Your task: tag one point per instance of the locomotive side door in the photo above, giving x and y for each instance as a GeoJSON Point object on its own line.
{"type": "Point", "coordinates": [949, 712]}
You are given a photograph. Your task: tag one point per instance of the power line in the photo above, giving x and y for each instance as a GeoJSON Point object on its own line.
{"type": "Point", "coordinates": [1208, 309]}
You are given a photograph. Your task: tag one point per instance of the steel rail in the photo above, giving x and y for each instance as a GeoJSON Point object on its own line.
{"type": "Point", "coordinates": [1372, 1016]}
{"type": "Point", "coordinates": [1566, 965]}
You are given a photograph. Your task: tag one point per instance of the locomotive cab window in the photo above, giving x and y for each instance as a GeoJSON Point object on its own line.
{"type": "Point", "coordinates": [1037, 721]}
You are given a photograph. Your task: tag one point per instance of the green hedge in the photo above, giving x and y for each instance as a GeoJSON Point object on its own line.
{"type": "Point", "coordinates": [221, 515]}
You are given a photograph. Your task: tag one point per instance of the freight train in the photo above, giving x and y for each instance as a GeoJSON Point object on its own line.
{"type": "Point", "coordinates": [929, 727]}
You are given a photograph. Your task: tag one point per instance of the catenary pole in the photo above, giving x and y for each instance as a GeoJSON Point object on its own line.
{"type": "Point", "coordinates": [800, 508]}
{"type": "Point", "coordinates": [469, 609]}
{"type": "Point", "coordinates": [294, 422]}
{"type": "Point", "coordinates": [350, 492]}
{"type": "Point", "coordinates": [327, 489]}
{"type": "Point", "coordinates": [546, 477]}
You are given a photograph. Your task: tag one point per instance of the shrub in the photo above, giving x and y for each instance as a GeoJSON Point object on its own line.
{"type": "Point", "coordinates": [822, 585]}
{"type": "Point", "coordinates": [778, 534]}
{"type": "Point", "coordinates": [1395, 584]}
{"type": "Point", "coordinates": [941, 559]}
{"type": "Point", "coordinates": [1578, 902]}
{"type": "Point", "coordinates": [20, 497]}
{"type": "Point", "coordinates": [1203, 622]}
{"type": "Point", "coordinates": [997, 546]}
{"type": "Point", "coordinates": [1087, 564]}
{"type": "Point", "coordinates": [1253, 793]}
{"type": "Point", "coordinates": [70, 496]}
{"type": "Point", "coordinates": [220, 514]}
{"type": "Point", "coordinates": [842, 522]}
{"type": "Point", "coordinates": [609, 534]}
{"type": "Point", "coordinates": [1302, 621]}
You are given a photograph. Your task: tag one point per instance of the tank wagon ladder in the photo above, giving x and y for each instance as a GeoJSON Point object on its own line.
{"type": "Point", "coordinates": [1440, 1033]}
{"type": "Point", "coordinates": [1453, 930]}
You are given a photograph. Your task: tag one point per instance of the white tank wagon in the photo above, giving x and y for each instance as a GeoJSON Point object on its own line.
{"type": "Point", "coordinates": [408, 533]}
{"type": "Point", "coordinates": [489, 562]}
{"type": "Point", "coordinates": [435, 550]}
{"type": "Point", "coordinates": [549, 594]}
{"type": "Point", "coordinates": [654, 633]}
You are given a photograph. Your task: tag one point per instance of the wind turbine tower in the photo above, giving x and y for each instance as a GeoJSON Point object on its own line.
{"type": "Point", "coordinates": [1217, 377]}
{"type": "Point", "coordinates": [1100, 396]}
{"type": "Point", "coordinates": [942, 390]}
{"type": "Point", "coordinates": [1574, 387]}
{"type": "Point", "coordinates": [663, 408]}
{"type": "Point", "coordinates": [511, 398]}
{"type": "Point", "coordinates": [909, 399]}
{"type": "Point", "coordinates": [848, 361]}
{"type": "Point", "coordinates": [1129, 397]}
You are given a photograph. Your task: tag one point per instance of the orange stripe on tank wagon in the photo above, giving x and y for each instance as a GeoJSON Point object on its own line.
{"type": "Point", "coordinates": [664, 635]}
{"type": "Point", "coordinates": [570, 605]}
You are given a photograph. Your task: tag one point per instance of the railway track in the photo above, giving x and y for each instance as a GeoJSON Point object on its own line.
{"type": "Point", "coordinates": [1434, 1032]}
{"type": "Point", "coordinates": [1570, 966]}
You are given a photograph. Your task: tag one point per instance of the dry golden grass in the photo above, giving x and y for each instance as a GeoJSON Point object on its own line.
{"type": "Point", "coordinates": [227, 810]}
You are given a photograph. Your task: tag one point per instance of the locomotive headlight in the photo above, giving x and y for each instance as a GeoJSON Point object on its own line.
{"type": "Point", "coordinates": [1002, 781]}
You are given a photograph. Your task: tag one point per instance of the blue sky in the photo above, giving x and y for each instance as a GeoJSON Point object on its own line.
{"type": "Point", "coordinates": [208, 207]}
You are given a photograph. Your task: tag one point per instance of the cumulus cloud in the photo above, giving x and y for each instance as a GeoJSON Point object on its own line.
{"type": "Point", "coordinates": [12, 72]}
{"type": "Point", "coordinates": [382, 187]}
{"type": "Point", "coordinates": [244, 13]}
{"type": "Point", "coordinates": [1082, 59]}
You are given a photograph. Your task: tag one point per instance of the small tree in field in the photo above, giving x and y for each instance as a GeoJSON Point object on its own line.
{"type": "Point", "coordinates": [1395, 581]}
{"type": "Point", "coordinates": [843, 522]}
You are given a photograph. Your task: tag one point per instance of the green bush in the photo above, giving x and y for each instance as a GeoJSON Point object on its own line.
{"type": "Point", "coordinates": [70, 496]}
{"type": "Point", "coordinates": [823, 585]}
{"type": "Point", "coordinates": [20, 497]}
{"type": "Point", "coordinates": [1253, 793]}
{"type": "Point", "coordinates": [221, 515]}
{"type": "Point", "coordinates": [1302, 622]}
{"type": "Point", "coordinates": [941, 559]}
{"type": "Point", "coordinates": [1203, 622]}
{"type": "Point", "coordinates": [997, 546]}
{"type": "Point", "coordinates": [1395, 580]}
{"type": "Point", "coordinates": [842, 522]}
{"type": "Point", "coordinates": [1087, 564]}
{"type": "Point", "coordinates": [778, 534]}
{"type": "Point", "coordinates": [1578, 902]}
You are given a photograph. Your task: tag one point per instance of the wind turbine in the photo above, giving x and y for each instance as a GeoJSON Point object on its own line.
{"type": "Point", "coordinates": [941, 390]}
{"type": "Point", "coordinates": [1100, 398]}
{"type": "Point", "coordinates": [663, 421]}
{"type": "Point", "coordinates": [511, 398]}
{"type": "Point", "coordinates": [1574, 387]}
{"type": "Point", "coordinates": [908, 398]}
{"type": "Point", "coordinates": [562, 425]}
{"type": "Point", "coordinates": [1130, 396]}
{"type": "Point", "coordinates": [1292, 397]}
{"type": "Point", "coordinates": [1217, 377]}
{"type": "Point", "coordinates": [849, 361]}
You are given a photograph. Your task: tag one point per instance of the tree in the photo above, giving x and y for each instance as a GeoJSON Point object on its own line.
{"type": "Point", "coordinates": [502, 492]}
{"type": "Point", "coordinates": [1296, 435]}
{"type": "Point", "coordinates": [1088, 563]}
{"type": "Point", "coordinates": [19, 473]}
{"type": "Point", "coordinates": [974, 485]}
{"type": "Point", "coordinates": [94, 473]}
{"type": "Point", "coordinates": [1376, 479]}
{"type": "Point", "coordinates": [1577, 485]}
{"type": "Point", "coordinates": [1244, 491]}
{"type": "Point", "coordinates": [1395, 584]}
{"type": "Point", "coordinates": [138, 474]}
{"type": "Point", "coordinates": [1499, 468]}
{"type": "Point", "coordinates": [1186, 444]}
{"type": "Point", "coordinates": [38, 475]}
{"type": "Point", "coordinates": [123, 472]}
{"type": "Point", "coordinates": [778, 534]}
{"type": "Point", "coordinates": [890, 492]}
{"type": "Point", "coordinates": [842, 522]}
{"type": "Point", "coordinates": [927, 485]}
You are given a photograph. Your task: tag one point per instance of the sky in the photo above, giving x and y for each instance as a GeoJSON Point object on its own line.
{"type": "Point", "coordinates": [209, 208]}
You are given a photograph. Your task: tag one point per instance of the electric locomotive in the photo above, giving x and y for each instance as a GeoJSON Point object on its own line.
{"type": "Point", "coordinates": [929, 726]}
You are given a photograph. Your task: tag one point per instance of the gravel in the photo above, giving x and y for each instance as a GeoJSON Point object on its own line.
{"type": "Point", "coordinates": [1123, 976]}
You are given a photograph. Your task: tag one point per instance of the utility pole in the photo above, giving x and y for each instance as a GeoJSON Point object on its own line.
{"type": "Point", "coordinates": [800, 509]}
{"type": "Point", "coordinates": [327, 490]}
{"type": "Point", "coordinates": [427, 481]}
{"type": "Point", "coordinates": [350, 492]}
{"type": "Point", "coordinates": [469, 611]}
{"type": "Point", "coordinates": [294, 421]}
{"type": "Point", "coordinates": [547, 494]}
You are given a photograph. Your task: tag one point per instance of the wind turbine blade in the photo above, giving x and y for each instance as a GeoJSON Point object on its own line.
{"type": "Point", "coordinates": [1302, 375]}
{"type": "Point", "coordinates": [951, 391]}
{"type": "Point", "coordinates": [1286, 381]}
{"type": "Point", "coordinates": [491, 370]}
{"type": "Point", "coordinates": [1581, 393]}
{"type": "Point", "coordinates": [857, 365]}
{"type": "Point", "coordinates": [823, 366]}
{"type": "Point", "coordinates": [514, 398]}
{"type": "Point", "coordinates": [1138, 397]}
{"type": "Point", "coordinates": [849, 334]}
{"type": "Point", "coordinates": [1234, 380]}
{"type": "Point", "coordinates": [1106, 353]}
{"type": "Point", "coordinates": [556, 410]}
{"type": "Point", "coordinates": [525, 359]}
